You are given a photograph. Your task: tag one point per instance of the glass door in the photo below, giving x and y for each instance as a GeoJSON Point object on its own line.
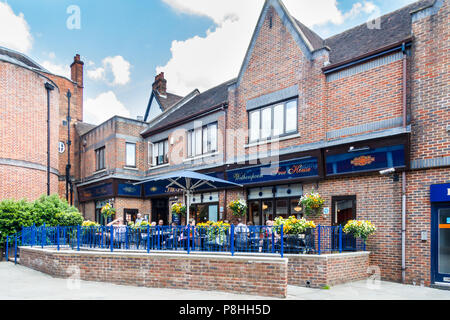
{"type": "Point", "coordinates": [443, 245]}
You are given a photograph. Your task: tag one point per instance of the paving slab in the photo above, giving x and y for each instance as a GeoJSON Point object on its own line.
{"type": "Point", "coordinates": [21, 283]}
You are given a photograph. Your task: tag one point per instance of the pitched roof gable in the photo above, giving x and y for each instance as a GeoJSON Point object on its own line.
{"type": "Point", "coordinates": [306, 42]}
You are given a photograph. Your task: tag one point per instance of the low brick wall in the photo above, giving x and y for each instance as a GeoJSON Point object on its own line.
{"type": "Point", "coordinates": [263, 276]}
{"type": "Point", "coordinates": [317, 271]}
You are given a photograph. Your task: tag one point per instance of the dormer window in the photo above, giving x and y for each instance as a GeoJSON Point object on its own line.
{"type": "Point", "coordinates": [202, 141]}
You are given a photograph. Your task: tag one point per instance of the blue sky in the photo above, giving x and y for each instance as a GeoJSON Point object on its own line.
{"type": "Point", "coordinates": [197, 43]}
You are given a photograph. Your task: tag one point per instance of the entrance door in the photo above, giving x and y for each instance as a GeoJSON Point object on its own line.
{"type": "Point", "coordinates": [441, 243]}
{"type": "Point", "coordinates": [160, 210]}
{"type": "Point", "coordinates": [344, 210]}
{"type": "Point", "coordinates": [130, 215]}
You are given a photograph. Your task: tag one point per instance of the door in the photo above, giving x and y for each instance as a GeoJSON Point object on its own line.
{"type": "Point", "coordinates": [160, 210]}
{"type": "Point", "coordinates": [441, 243]}
{"type": "Point", "coordinates": [130, 215]}
{"type": "Point", "coordinates": [344, 210]}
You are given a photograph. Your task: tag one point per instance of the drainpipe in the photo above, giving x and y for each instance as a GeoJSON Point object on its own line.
{"type": "Point", "coordinates": [404, 172]}
{"type": "Point", "coordinates": [49, 88]}
{"type": "Point", "coordinates": [69, 143]}
{"type": "Point", "coordinates": [225, 111]}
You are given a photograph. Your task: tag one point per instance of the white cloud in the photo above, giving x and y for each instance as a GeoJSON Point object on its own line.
{"type": "Point", "coordinates": [103, 107]}
{"type": "Point", "coordinates": [202, 62]}
{"type": "Point", "coordinates": [14, 30]}
{"type": "Point", "coordinates": [114, 70]}
{"type": "Point", "coordinates": [58, 69]}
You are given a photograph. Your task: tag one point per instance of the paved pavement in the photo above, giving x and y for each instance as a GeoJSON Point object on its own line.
{"type": "Point", "coordinates": [18, 282]}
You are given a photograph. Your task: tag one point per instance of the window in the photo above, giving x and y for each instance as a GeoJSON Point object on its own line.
{"type": "Point", "coordinates": [202, 140]}
{"type": "Point", "coordinates": [100, 159]}
{"type": "Point", "coordinates": [130, 154]}
{"type": "Point", "coordinates": [273, 121]}
{"type": "Point", "coordinates": [160, 151]}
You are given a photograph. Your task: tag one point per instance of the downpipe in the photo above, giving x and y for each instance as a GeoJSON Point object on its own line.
{"type": "Point", "coordinates": [404, 172]}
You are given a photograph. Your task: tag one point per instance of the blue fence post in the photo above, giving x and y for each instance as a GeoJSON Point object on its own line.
{"type": "Point", "coordinates": [78, 237]}
{"type": "Point", "coordinates": [43, 236]}
{"type": "Point", "coordinates": [34, 235]}
{"type": "Point", "coordinates": [188, 239]}
{"type": "Point", "coordinates": [282, 241]}
{"type": "Point", "coordinates": [57, 237]}
{"type": "Point", "coordinates": [7, 245]}
{"type": "Point", "coordinates": [232, 239]}
{"type": "Point", "coordinates": [364, 245]}
{"type": "Point", "coordinates": [126, 238]}
{"type": "Point", "coordinates": [148, 238]}
{"type": "Point", "coordinates": [319, 240]}
{"type": "Point", "coordinates": [273, 240]}
{"type": "Point", "coordinates": [340, 239]}
{"type": "Point", "coordinates": [15, 250]}
{"type": "Point", "coordinates": [158, 234]}
{"type": "Point", "coordinates": [112, 238]}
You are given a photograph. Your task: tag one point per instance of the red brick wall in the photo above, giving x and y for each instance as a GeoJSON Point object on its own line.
{"type": "Point", "coordinates": [23, 132]}
{"type": "Point", "coordinates": [430, 78]}
{"type": "Point", "coordinates": [249, 275]}
{"type": "Point", "coordinates": [318, 271]}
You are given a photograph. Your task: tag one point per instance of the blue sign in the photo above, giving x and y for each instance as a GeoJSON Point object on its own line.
{"type": "Point", "coordinates": [440, 192]}
{"type": "Point", "coordinates": [101, 191]}
{"type": "Point", "coordinates": [366, 160]}
{"type": "Point", "coordinates": [294, 169]}
{"type": "Point", "coordinates": [126, 189]}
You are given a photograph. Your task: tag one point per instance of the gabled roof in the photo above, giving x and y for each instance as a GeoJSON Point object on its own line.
{"type": "Point", "coordinates": [168, 100]}
{"type": "Point", "coordinates": [83, 127]}
{"type": "Point", "coordinates": [394, 27]}
{"type": "Point", "coordinates": [19, 59]}
{"type": "Point", "coordinates": [203, 102]}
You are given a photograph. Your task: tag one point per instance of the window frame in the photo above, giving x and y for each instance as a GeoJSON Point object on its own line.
{"type": "Point", "coordinates": [165, 153]}
{"type": "Point", "coordinates": [259, 110]}
{"type": "Point", "coordinates": [205, 132]}
{"type": "Point", "coordinates": [126, 155]}
{"type": "Point", "coordinates": [98, 152]}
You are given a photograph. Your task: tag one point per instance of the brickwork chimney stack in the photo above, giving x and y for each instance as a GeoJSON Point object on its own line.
{"type": "Point", "coordinates": [77, 70]}
{"type": "Point", "coordinates": [160, 84]}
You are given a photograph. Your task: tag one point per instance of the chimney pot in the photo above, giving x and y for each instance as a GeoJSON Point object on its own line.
{"type": "Point", "coordinates": [77, 70]}
{"type": "Point", "coordinates": [160, 84]}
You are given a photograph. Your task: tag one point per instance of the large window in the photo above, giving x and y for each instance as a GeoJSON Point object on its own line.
{"type": "Point", "coordinates": [100, 159]}
{"type": "Point", "coordinates": [202, 140]}
{"type": "Point", "coordinates": [130, 154]}
{"type": "Point", "coordinates": [273, 121]}
{"type": "Point", "coordinates": [160, 151]}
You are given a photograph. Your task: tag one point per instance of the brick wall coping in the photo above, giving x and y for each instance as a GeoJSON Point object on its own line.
{"type": "Point", "coordinates": [329, 256]}
{"type": "Point", "coordinates": [173, 255]}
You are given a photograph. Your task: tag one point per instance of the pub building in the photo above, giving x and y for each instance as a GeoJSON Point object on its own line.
{"type": "Point", "coordinates": [356, 117]}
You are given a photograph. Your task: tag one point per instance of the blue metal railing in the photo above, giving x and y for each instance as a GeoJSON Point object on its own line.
{"type": "Point", "coordinates": [233, 239]}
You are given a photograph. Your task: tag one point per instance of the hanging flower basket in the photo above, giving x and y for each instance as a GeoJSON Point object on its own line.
{"type": "Point", "coordinates": [179, 209]}
{"type": "Point", "coordinates": [238, 207]}
{"type": "Point", "coordinates": [360, 229]}
{"type": "Point", "coordinates": [312, 204]}
{"type": "Point", "coordinates": [108, 211]}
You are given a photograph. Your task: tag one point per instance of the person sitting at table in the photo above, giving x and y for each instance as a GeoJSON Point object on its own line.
{"type": "Point", "coordinates": [119, 231]}
{"type": "Point", "coordinates": [161, 223]}
{"type": "Point", "coordinates": [241, 234]}
{"type": "Point", "coordinates": [139, 219]}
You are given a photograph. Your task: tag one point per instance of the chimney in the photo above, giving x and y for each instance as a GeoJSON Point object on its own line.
{"type": "Point", "coordinates": [77, 70]}
{"type": "Point", "coordinates": [160, 84]}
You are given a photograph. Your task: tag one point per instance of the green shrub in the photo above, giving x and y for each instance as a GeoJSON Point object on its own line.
{"type": "Point", "coordinates": [50, 210]}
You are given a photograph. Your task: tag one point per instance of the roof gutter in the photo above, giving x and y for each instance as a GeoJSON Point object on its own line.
{"type": "Point", "coordinates": [186, 119]}
{"type": "Point", "coordinates": [397, 46]}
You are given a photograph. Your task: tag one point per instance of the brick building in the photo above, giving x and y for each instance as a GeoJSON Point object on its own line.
{"type": "Point", "coordinates": [361, 117]}
{"type": "Point", "coordinates": [33, 159]}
